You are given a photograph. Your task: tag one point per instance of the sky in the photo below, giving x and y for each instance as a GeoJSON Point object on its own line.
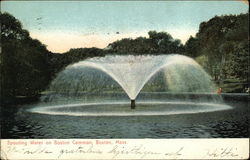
{"type": "Point", "coordinates": [62, 25]}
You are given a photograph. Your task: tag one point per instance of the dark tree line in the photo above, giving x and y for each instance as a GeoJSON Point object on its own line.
{"type": "Point", "coordinates": [27, 67]}
{"type": "Point", "coordinates": [60, 61]}
{"type": "Point", "coordinates": [24, 63]}
{"type": "Point", "coordinates": [222, 46]}
{"type": "Point", "coordinates": [157, 43]}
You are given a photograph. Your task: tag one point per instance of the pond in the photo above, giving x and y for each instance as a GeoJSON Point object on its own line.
{"type": "Point", "coordinates": [17, 121]}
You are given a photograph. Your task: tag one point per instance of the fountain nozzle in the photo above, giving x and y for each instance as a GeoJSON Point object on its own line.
{"type": "Point", "coordinates": [132, 104]}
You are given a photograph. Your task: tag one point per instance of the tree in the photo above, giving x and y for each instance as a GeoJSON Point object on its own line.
{"type": "Point", "coordinates": [157, 43]}
{"type": "Point", "coordinates": [192, 47]}
{"type": "Point", "coordinates": [223, 40]}
{"type": "Point", "coordinates": [24, 64]}
{"type": "Point", "coordinates": [11, 28]}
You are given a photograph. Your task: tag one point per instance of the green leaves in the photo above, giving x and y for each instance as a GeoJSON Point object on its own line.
{"type": "Point", "coordinates": [157, 43]}
{"type": "Point", "coordinates": [223, 40]}
{"type": "Point", "coordinates": [24, 61]}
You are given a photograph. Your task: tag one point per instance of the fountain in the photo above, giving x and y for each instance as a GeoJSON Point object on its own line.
{"type": "Point", "coordinates": [95, 78]}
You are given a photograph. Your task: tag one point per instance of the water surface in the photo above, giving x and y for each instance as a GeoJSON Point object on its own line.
{"type": "Point", "coordinates": [17, 122]}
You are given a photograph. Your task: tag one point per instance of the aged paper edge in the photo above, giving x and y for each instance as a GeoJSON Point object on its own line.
{"type": "Point", "coordinates": [39, 149]}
